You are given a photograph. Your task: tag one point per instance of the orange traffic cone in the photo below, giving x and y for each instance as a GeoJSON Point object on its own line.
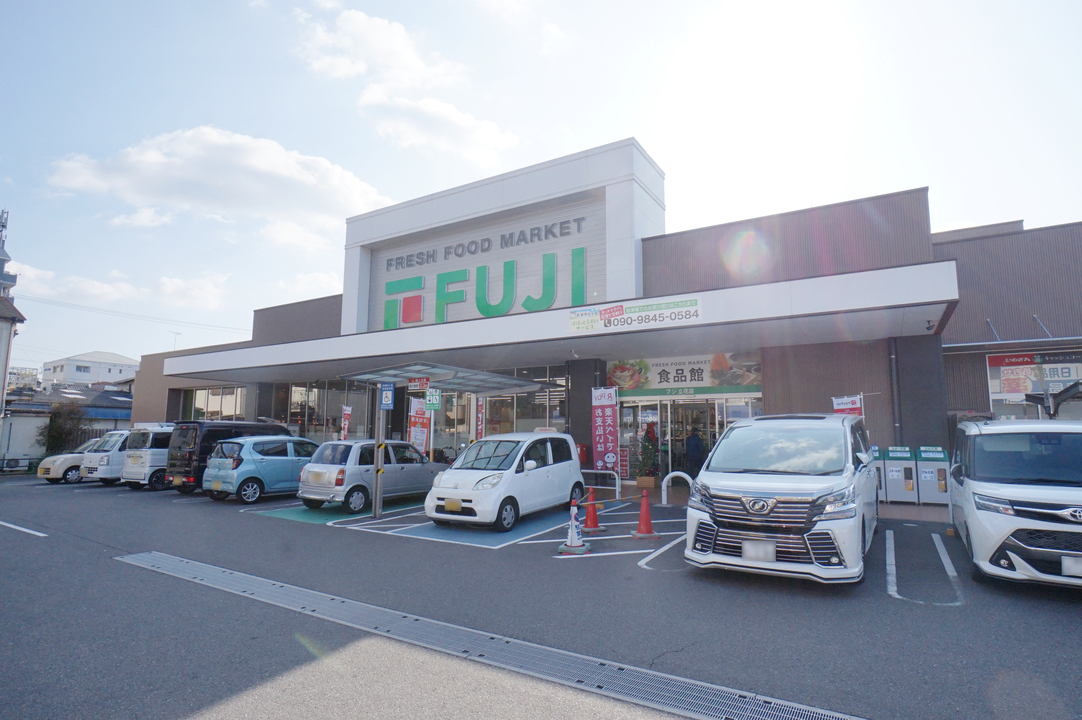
{"type": "Point", "coordinates": [646, 527]}
{"type": "Point", "coordinates": [591, 525]}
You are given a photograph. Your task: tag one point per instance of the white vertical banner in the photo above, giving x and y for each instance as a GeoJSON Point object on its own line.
{"type": "Point", "coordinates": [605, 428]}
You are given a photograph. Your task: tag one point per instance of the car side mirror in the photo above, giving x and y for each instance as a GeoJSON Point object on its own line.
{"type": "Point", "coordinates": [958, 472]}
{"type": "Point", "coordinates": [865, 458]}
{"type": "Point", "coordinates": [530, 465]}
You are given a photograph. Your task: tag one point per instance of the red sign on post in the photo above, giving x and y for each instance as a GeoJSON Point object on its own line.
{"type": "Point", "coordinates": [480, 418]}
{"type": "Point", "coordinates": [605, 429]}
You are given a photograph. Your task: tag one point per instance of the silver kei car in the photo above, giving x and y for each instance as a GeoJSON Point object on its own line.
{"type": "Point", "coordinates": [342, 471]}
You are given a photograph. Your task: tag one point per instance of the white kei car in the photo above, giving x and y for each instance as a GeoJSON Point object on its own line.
{"type": "Point", "coordinates": [789, 495]}
{"type": "Point", "coordinates": [1016, 498]}
{"type": "Point", "coordinates": [502, 477]}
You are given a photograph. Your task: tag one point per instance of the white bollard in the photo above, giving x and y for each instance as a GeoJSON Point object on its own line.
{"type": "Point", "coordinates": [668, 479]}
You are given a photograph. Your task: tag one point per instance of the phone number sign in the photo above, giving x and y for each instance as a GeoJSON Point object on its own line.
{"type": "Point", "coordinates": [627, 316]}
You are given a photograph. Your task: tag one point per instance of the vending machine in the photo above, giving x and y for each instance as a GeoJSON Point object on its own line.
{"type": "Point", "coordinates": [932, 469]}
{"type": "Point", "coordinates": [901, 466]}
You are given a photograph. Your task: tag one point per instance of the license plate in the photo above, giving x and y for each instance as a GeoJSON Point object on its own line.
{"type": "Point", "coordinates": [177, 481]}
{"type": "Point", "coordinates": [216, 485]}
{"type": "Point", "coordinates": [452, 505]}
{"type": "Point", "coordinates": [759, 550]}
{"type": "Point", "coordinates": [1071, 566]}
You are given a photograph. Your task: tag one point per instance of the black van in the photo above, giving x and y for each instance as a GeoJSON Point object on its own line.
{"type": "Point", "coordinates": [193, 441]}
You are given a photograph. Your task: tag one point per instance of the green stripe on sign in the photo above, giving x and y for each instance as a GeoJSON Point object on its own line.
{"type": "Point", "coordinates": [395, 287]}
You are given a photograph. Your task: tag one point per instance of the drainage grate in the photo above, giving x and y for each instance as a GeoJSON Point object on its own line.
{"type": "Point", "coordinates": [623, 682]}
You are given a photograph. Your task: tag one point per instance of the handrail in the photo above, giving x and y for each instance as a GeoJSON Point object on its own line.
{"type": "Point", "coordinates": [615, 477]}
{"type": "Point", "coordinates": [665, 484]}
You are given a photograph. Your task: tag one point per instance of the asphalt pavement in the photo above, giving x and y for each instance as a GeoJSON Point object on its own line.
{"type": "Point", "coordinates": [86, 636]}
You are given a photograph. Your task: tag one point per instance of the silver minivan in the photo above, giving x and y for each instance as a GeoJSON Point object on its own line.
{"type": "Point", "coordinates": [341, 471]}
{"type": "Point", "coordinates": [144, 462]}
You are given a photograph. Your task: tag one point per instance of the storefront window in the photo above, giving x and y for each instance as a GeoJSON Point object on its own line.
{"type": "Point", "coordinates": [199, 409]}
{"type": "Point", "coordinates": [280, 404]}
{"type": "Point", "coordinates": [499, 415]}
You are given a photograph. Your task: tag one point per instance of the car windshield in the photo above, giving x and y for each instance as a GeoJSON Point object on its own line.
{"type": "Point", "coordinates": [85, 447]}
{"type": "Point", "coordinates": [488, 455]}
{"type": "Point", "coordinates": [139, 440]}
{"type": "Point", "coordinates": [331, 454]}
{"type": "Point", "coordinates": [782, 449]}
{"type": "Point", "coordinates": [108, 442]}
{"type": "Point", "coordinates": [1045, 458]}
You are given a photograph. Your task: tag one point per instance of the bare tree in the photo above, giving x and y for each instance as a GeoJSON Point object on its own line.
{"type": "Point", "coordinates": [67, 422]}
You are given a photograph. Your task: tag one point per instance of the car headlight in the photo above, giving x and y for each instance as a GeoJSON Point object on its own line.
{"type": "Point", "coordinates": [699, 490]}
{"type": "Point", "coordinates": [488, 482]}
{"type": "Point", "coordinates": [436, 480]}
{"type": "Point", "coordinates": [836, 506]}
{"type": "Point", "coordinates": [993, 504]}
{"type": "Point", "coordinates": [104, 460]}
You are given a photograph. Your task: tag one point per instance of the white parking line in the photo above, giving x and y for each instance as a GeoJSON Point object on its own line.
{"type": "Point", "coordinates": [633, 522]}
{"type": "Point", "coordinates": [593, 537]}
{"type": "Point", "coordinates": [22, 529]}
{"type": "Point", "coordinates": [948, 567]}
{"type": "Point", "coordinates": [947, 564]}
{"type": "Point", "coordinates": [586, 555]}
{"type": "Point", "coordinates": [648, 558]}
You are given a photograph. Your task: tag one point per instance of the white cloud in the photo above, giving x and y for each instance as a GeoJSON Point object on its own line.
{"type": "Point", "coordinates": [257, 3]}
{"type": "Point", "coordinates": [32, 280]}
{"type": "Point", "coordinates": [328, 4]}
{"type": "Point", "coordinates": [98, 292]}
{"type": "Point", "coordinates": [203, 293]}
{"type": "Point", "coordinates": [36, 282]}
{"type": "Point", "coordinates": [311, 285]}
{"type": "Point", "coordinates": [360, 44]}
{"type": "Point", "coordinates": [143, 217]}
{"type": "Point", "coordinates": [554, 41]}
{"type": "Point", "coordinates": [224, 176]}
{"type": "Point", "coordinates": [390, 60]}
{"type": "Point", "coordinates": [444, 127]}
{"type": "Point", "coordinates": [509, 10]}
{"type": "Point", "coordinates": [290, 234]}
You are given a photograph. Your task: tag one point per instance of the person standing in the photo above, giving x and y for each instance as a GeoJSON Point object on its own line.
{"type": "Point", "coordinates": [695, 451]}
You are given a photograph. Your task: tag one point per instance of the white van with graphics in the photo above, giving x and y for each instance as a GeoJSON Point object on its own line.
{"type": "Point", "coordinates": [147, 455]}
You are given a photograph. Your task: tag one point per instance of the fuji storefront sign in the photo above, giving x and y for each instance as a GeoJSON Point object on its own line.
{"type": "Point", "coordinates": [404, 304]}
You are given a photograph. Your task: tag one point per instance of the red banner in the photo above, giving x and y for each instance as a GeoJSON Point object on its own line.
{"type": "Point", "coordinates": [605, 429]}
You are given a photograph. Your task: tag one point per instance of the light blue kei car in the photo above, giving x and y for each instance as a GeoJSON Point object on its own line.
{"type": "Point", "coordinates": [251, 467]}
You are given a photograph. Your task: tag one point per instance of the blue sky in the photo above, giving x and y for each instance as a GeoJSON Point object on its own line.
{"type": "Point", "coordinates": [190, 162]}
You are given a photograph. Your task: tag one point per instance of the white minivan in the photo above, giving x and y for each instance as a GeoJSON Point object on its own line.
{"type": "Point", "coordinates": [1016, 498]}
{"type": "Point", "coordinates": [106, 461]}
{"type": "Point", "coordinates": [789, 495]}
{"type": "Point", "coordinates": [147, 455]}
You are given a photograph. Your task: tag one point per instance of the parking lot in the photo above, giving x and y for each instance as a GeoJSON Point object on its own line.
{"type": "Point", "coordinates": [919, 638]}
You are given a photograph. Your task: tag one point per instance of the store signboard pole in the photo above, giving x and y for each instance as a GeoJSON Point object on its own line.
{"type": "Point", "coordinates": [386, 402]}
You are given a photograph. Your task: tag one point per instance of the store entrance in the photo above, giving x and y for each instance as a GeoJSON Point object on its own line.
{"type": "Point", "coordinates": [656, 433]}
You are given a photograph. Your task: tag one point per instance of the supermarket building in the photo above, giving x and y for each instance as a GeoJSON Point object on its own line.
{"type": "Point", "coordinates": [518, 294]}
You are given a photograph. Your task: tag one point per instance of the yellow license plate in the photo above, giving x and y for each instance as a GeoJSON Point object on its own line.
{"type": "Point", "coordinates": [177, 481]}
{"type": "Point", "coordinates": [452, 505]}
{"type": "Point", "coordinates": [216, 485]}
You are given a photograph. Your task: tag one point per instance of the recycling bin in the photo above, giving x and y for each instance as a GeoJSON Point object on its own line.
{"type": "Point", "coordinates": [901, 466]}
{"type": "Point", "coordinates": [880, 472]}
{"type": "Point", "coordinates": [932, 469]}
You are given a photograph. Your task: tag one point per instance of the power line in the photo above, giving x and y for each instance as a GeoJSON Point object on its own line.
{"type": "Point", "coordinates": [133, 316]}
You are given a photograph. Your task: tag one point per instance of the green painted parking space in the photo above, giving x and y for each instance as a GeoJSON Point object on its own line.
{"type": "Point", "coordinates": [331, 513]}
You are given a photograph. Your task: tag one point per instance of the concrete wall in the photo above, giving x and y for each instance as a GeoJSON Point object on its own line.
{"type": "Point", "coordinates": [869, 234]}
{"type": "Point", "coordinates": [803, 378]}
{"type": "Point", "coordinates": [922, 391]}
{"type": "Point", "coordinates": [582, 377]}
{"type": "Point", "coordinates": [305, 320]}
